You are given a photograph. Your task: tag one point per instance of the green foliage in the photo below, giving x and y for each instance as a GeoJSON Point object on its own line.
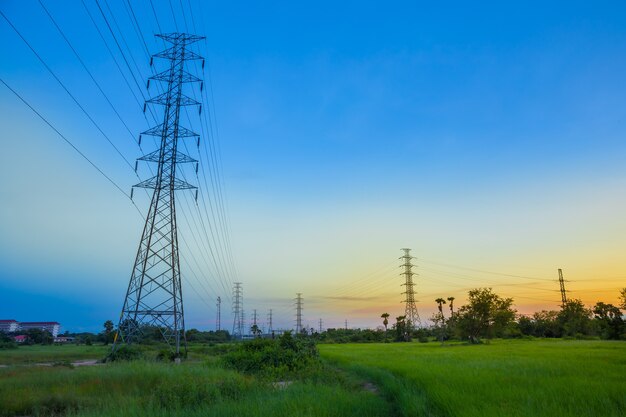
{"type": "Point", "coordinates": [350, 336]}
{"type": "Point", "coordinates": [401, 329]}
{"type": "Point", "coordinates": [219, 336]}
{"type": "Point", "coordinates": [542, 324]}
{"type": "Point", "coordinates": [7, 345]}
{"type": "Point", "coordinates": [622, 297]}
{"type": "Point", "coordinates": [486, 315]}
{"type": "Point", "coordinates": [575, 319]}
{"type": "Point", "coordinates": [38, 337]}
{"type": "Point", "coordinates": [108, 335]}
{"type": "Point", "coordinates": [125, 353]}
{"type": "Point", "coordinates": [286, 356]}
{"type": "Point", "coordinates": [610, 322]}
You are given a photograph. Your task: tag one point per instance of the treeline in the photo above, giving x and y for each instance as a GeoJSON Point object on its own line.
{"type": "Point", "coordinates": [487, 315]}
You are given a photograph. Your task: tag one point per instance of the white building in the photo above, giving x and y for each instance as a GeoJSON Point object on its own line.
{"type": "Point", "coordinates": [51, 326]}
{"type": "Point", "coordinates": [8, 326]}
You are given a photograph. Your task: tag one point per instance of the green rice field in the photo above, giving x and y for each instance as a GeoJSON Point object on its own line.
{"type": "Point", "coordinates": [503, 378]}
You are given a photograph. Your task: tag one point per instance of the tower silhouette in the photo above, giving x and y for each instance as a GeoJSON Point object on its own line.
{"type": "Point", "coordinates": [154, 295]}
{"type": "Point", "coordinates": [410, 310]}
{"type": "Point", "coordinates": [238, 322]}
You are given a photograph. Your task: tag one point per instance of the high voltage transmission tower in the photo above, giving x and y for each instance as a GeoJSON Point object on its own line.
{"type": "Point", "coordinates": [410, 310]}
{"type": "Point", "coordinates": [238, 322]}
{"type": "Point", "coordinates": [218, 320]}
{"type": "Point", "coordinates": [298, 313]}
{"type": "Point", "coordinates": [269, 322]}
{"type": "Point", "coordinates": [254, 317]}
{"type": "Point", "coordinates": [320, 326]}
{"type": "Point", "coordinates": [562, 284]}
{"type": "Point", "coordinates": [154, 296]}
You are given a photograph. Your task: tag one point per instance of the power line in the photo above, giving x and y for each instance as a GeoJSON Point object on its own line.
{"type": "Point", "coordinates": [69, 143]}
{"type": "Point", "coordinates": [43, 62]}
{"type": "Point", "coordinates": [86, 69]}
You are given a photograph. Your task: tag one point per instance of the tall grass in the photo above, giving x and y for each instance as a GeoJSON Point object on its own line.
{"type": "Point", "coordinates": [143, 388]}
{"type": "Point", "coordinates": [504, 378]}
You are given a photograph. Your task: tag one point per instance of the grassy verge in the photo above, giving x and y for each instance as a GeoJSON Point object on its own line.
{"type": "Point", "coordinates": [198, 387]}
{"type": "Point", "coordinates": [512, 378]}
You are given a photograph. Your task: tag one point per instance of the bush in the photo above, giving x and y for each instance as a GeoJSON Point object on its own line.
{"type": "Point", "coordinates": [8, 345]}
{"type": "Point", "coordinates": [125, 353]}
{"type": "Point", "coordinates": [275, 358]}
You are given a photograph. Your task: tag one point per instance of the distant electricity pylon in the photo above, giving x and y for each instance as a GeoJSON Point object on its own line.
{"type": "Point", "coordinates": [154, 296]}
{"type": "Point", "coordinates": [562, 283]}
{"type": "Point", "coordinates": [320, 326]}
{"type": "Point", "coordinates": [254, 317]}
{"type": "Point", "coordinates": [218, 323]}
{"type": "Point", "coordinates": [410, 310]}
{"type": "Point", "coordinates": [237, 311]}
{"type": "Point", "coordinates": [298, 313]}
{"type": "Point", "coordinates": [269, 322]}
{"type": "Point", "coordinates": [346, 324]}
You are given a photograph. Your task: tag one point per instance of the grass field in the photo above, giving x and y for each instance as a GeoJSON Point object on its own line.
{"type": "Point", "coordinates": [198, 387]}
{"type": "Point", "coordinates": [55, 353]}
{"type": "Point", "coordinates": [504, 378]}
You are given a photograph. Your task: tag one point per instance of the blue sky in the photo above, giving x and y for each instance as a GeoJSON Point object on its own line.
{"type": "Point", "coordinates": [487, 136]}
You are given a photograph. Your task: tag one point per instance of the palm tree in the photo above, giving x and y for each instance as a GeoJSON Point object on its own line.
{"type": "Point", "coordinates": [385, 316]}
{"type": "Point", "coordinates": [256, 331]}
{"type": "Point", "coordinates": [440, 301]}
{"type": "Point", "coordinates": [451, 299]}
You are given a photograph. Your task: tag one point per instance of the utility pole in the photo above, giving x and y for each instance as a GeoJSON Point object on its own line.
{"type": "Point", "coordinates": [320, 326]}
{"type": "Point", "coordinates": [562, 283]}
{"type": "Point", "coordinates": [298, 313]}
{"type": "Point", "coordinates": [237, 311]}
{"type": "Point", "coordinates": [346, 324]}
{"type": "Point", "coordinates": [218, 323]}
{"type": "Point", "coordinates": [269, 321]}
{"type": "Point", "coordinates": [154, 294]}
{"type": "Point", "coordinates": [410, 310]}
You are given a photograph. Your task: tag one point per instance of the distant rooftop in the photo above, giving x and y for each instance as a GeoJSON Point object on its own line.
{"type": "Point", "coordinates": [39, 322]}
{"type": "Point", "coordinates": [8, 321]}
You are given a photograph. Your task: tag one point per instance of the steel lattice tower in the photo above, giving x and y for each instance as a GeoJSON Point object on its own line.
{"type": "Point", "coordinates": [320, 326]}
{"type": "Point", "coordinates": [154, 296]}
{"type": "Point", "coordinates": [562, 283]}
{"type": "Point", "coordinates": [218, 321]}
{"type": "Point", "coordinates": [298, 313]}
{"type": "Point", "coordinates": [410, 310]}
{"type": "Point", "coordinates": [269, 322]}
{"type": "Point", "coordinates": [238, 322]}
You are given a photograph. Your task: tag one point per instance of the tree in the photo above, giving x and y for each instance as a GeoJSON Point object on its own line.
{"type": "Point", "coordinates": [255, 330]}
{"type": "Point", "coordinates": [575, 319]}
{"type": "Point", "coordinates": [439, 319]}
{"type": "Point", "coordinates": [440, 301]}
{"type": "Point", "coordinates": [385, 316]}
{"type": "Point", "coordinates": [485, 315]}
{"type": "Point", "coordinates": [38, 336]}
{"type": "Point", "coordinates": [622, 296]}
{"type": "Point", "coordinates": [610, 320]}
{"type": "Point", "coordinates": [108, 335]}
{"type": "Point", "coordinates": [546, 324]}
{"type": "Point", "coordinates": [401, 328]}
{"type": "Point", "coordinates": [451, 299]}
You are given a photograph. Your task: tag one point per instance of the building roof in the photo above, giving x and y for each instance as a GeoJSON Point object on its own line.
{"type": "Point", "coordinates": [20, 337]}
{"type": "Point", "coordinates": [8, 321]}
{"type": "Point", "coordinates": [39, 322]}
